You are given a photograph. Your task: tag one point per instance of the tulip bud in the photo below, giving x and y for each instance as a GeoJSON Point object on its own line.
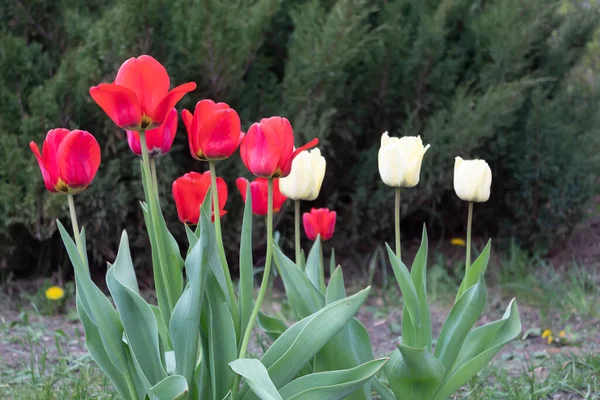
{"type": "Point", "coordinates": [214, 130]}
{"type": "Point", "coordinates": [472, 180]}
{"type": "Point", "coordinates": [319, 221]}
{"type": "Point", "coordinates": [69, 160]}
{"type": "Point", "coordinates": [259, 190]}
{"type": "Point", "coordinates": [189, 192]}
{"type": "Point", "coordinates": [400, 160]}
{"type": "Point", "coordinates": [268, 148]}
{"type": "Point", "coordinates": [305, 179]}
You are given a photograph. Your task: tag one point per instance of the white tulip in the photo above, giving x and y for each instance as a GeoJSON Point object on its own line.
{"type": "Point", "coordinates": [400, 160]}
{"type": "Point", "coordinates": [472, 180]}
{"type": "Point", "coordinates": [305, 179]}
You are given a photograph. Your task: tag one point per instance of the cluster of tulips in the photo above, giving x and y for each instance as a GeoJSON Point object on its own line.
{"type": "Point", "coordinates": [193, 344]}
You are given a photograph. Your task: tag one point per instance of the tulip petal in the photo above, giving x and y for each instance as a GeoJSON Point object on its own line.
{"type": "Point", "coordinates": [242, 185]}
{"type": "Point", "coordinates": [78, 159]}
{"type": "Point", "coordinates": [119, 103]}
{"type": "Point", "coordinates": [50, 186]}
{"type": "Point", "coordinates": [309, 226]}
{"type": "Point", "coordinates": [159, 113]}
{"type": "Point", "coordinates": [147, 78]}
{"type": "Point", "coordinates": [159, 140]}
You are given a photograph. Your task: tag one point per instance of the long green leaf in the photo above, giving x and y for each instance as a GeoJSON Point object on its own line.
{"type": "Point", "coordinates": [313, 270]}
{"type": "Point", "coordinates": [335, 289]}
{"type": "Point", "coordinates": [331, 385]}
{"type": "Point", "coordinates": [97, 306]}
{"type": "Point", "coordinates": [222, 339]}
{"type": "Point", "coordinates": [137, 315]}
{"type": "Point", "coordinates": [414, 373]}
{"type": "Point", "coordinates": [272, 327]}
{"type": "Point", "coordinates": [173, 387]}
{"type": "Point", "coordinates": [257, 377]}
{"type": "Point", "coordinates": [409, 292]}
{"type": "Point", "coordinates": [185, 320]}
{"type": "Point", "coordinates": [303, 296]}
{"type": "Point", "coordinates": [246, 291]}
{"type": "Point", "coordinates": [411, 335]}
{"type": "Point", "coordinates": [462, 317]}
{"type": "Point", "coordinates": [480, 346]}
{"type": "Point", "coordinates": [94, 345]}
{"type": "Point", "coordinates": [478, 267]}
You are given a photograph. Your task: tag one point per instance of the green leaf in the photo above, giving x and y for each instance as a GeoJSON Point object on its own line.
{"type": "Point", "coordinates": [409, 292]}
{"type": "Point", "coordinates": [271, 326]}
{"type": "Point", "coordinates": [185, 320]}
{"type": "Point", "coordinates": [257, 377]}
{"type": "Point", "coordinates": [97, 306]}
{"type": "Point", "coordinates": [313, 270]}
{"type": "Point", "coordinates": [480, 346]}
{"type": "Point", "coordinates": [173, 387]}
{"type": "Point", "coordinates": [94, 345]}
{"type": "Point", "coordinates": [382, 390]}
{"type": "Point", "coordinates": [331, 385]}
{"type": "Point", "coordinates": [332, 262]}
{"type": "Point", "coordinates": [462, 317]}
{"type": "Point", "coordinates": [477, 268]}
{"type": "Point", "coordinates": [421, 336]}
{"type": "Point", "coordinates": [221, 338]}
{"type": "Point", "coordinates": [321, 327]}
{"type": "Point", "coordinates": [246, 291]}
{"type": "Point", "coordinates": [335, 288]}
{"type": "Point", "coordinates": [414, 373]}
{"type": "Point", "coordinates": [163, 332]}
{"type": "Point", "coordinates": [137, 315]}
{"type": "Point", "coordinates": [303, 296]}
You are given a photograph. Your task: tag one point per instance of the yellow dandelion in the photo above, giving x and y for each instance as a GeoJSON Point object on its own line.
{"type": "Point", "coordinates": [550, 339]}
{"type": "Point", "coordinates": [546, 333]}
{"type": "Point", "coordinates": [457, 242]}
{"type": "Point", "coordinates": [562, 334]}
{"type": "Point", "coordinates": [55, 293]}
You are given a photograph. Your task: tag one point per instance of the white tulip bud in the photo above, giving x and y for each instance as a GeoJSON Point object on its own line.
{"type": "Point", "coordinates": [305, 179]}
{"type": "Point", "coordinates": [400, 160]}
{"type": "Point", "coordinates": [472, 180]}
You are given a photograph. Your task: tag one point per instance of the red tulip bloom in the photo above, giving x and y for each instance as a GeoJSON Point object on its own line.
{"type": "Point", "coordinates": [268, 148]}
{"type": "Point", "coordinates": [159, 140]}
{"type": "Point", "coordinates": [319, 221]}
{"type": "Point", "coordinates": [139, 98]}
{"type": "Point", "coordinates": [69, 160]}
{"type": "Point", "coordinates": [259, 190]}
{"type": "Point", "coordinates": [189, 192]}
{"type": "Point", "coordinates": [214, 130]}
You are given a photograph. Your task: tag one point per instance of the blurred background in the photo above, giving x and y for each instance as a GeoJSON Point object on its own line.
{"type": "Point", "coordinates": [512, 81]}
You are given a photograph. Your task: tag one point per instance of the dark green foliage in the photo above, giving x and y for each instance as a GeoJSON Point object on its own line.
{"type": "Point", "coordinates": [510, 81]}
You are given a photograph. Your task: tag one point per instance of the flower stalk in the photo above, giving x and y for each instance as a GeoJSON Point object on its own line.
{"type": "Point", "coordinates": [75, 225]}
{"type": "Point", "coordinates": [468, 244]}
{"type": "Point", "coordinates": [219, 235]}
{"type": "Point", "coordinates": [297, 233]}
{"type": "Point", "coordinates": [397, 224]}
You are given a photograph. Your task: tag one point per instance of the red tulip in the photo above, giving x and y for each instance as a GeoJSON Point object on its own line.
{"type": "Point", "coordinates": [259, 190]}
{"type": "Point", "coordinates": [189, 192]}
{"type": "Point", "coordinates": [214, 130]}
{"type": "Point", "coordinates": [268, 148]}
{"type": "Point", "coordinates": [139, 98]}
{"type": "Point", "coordinates": [319, 221]}
{"type": "Point", "coordinates": [69, 160]}
{"type": "Point", "coordinates": [158, 140]}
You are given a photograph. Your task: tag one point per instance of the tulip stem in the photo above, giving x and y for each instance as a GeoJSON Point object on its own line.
{"type": "Point", "coordinates": [263, 286]}
{"type": "Point", "coordinates": [397, 219]}
{"type": "Point", "coordinates": [469, 223]}
{"type": "Point", "coordinates": [321, 268]}
{"type": "Point", "coordinates": [297, 233]}
{"type": "Point", "coordinates": [153, 232]}
{"type": "Point", "coordinates": [75, 225]}
{"type": "Point", "coordinates": [219, 234]}
{"type": "Point", "coordinates": [154, 177]}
